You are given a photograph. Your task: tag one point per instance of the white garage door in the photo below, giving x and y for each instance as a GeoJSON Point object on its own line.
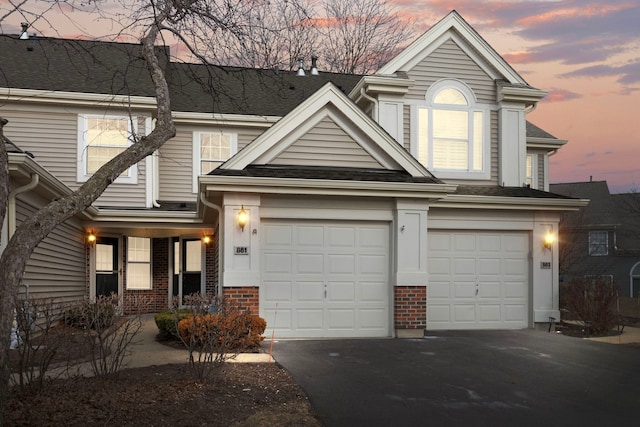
{"type": "Point", "coordinates": [325, 279]}
{"type": "Point", "coordinates": [478, 280]}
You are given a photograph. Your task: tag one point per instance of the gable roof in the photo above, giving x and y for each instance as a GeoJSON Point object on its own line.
{"type": "Point", "coordinates": [451, 24]}
{"type": "Point", "coordinates": [330, 102]}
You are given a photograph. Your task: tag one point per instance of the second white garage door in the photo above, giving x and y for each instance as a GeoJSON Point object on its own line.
{"type": "Point", "coordinates": [325, 279]}
{"type": "Point", "coordinates": [478, 280]}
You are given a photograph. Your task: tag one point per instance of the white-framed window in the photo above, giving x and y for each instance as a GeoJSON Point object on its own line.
{"type": "Point", "coordinates": [452, 132]}
{"type": "Point", "coordinates": [531, 170]}
{"type": "Point", "coordinates": [598, 243]}
{"type": "Point", "coordinates": [138, 262]}
{"type": "Point", "coordinates": [210, 150]}
{"type": "Point", "coordinates": [101, 138]}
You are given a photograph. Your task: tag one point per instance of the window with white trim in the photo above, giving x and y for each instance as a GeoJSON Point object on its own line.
{"type": "Point", "coordinates": [210, 150]}
{"type": "Point", "coordinates": [532, 170]}
{"type": "Point", "coordinates": [100, 139]}
{"type": "Point", "coordinates": [598, 243]}
{"type": "Point", "coordinates": [138, 263]}
{"type": "Point", "coordinates": [452, 132]}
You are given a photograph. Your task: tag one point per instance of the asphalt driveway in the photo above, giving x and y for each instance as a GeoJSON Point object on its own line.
{"type": "Point", "coordinates": [480, 378]}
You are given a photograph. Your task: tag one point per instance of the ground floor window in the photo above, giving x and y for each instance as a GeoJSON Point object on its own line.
{"type": "Point", "coordinates": [138, 263]}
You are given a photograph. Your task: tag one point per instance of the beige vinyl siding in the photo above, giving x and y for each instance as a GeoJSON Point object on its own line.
{"type": "Point", "coordinates": [51, 135]}
{"type": "Point", "coordinates": [326, 145]}
{"type": "Point", "coordinates": [176, 167]}
{"type": "Point", "coordinates": [449, 61]}
{"type": "Point", "coordinates": [494, 146]}
{"type": "Point", "coordinates": [246, 135]}
{"type": "Point", "coordinates": [57, 267]}
{"type": "Point", "coordinates": [406, 127]}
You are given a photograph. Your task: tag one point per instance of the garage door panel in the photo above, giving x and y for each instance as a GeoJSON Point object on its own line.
{"type": "Point", "coordinates": [309, 263]}
{"type": "Point", "coordinates": [373, 318]}
{"type": "Point", "coordinates": [278, 263]}
{"type": "Point", "coordinates": [373, 292]}
{"type": "Point", "coordinates": [341, 318]}
{"type": "Point", "coordinates": [464, 313]}
{"type": "Point", "coordinates": [310, 291]}
{"type": "Point", "coordinates": [488, 284]}
{"type": "Point", "coordinates": [309, 318]}
{"type": "Point", "coordinates": [278, 236]}
{"type": "Point", "coordinates": [341, 264]}
{"type": "Point", "coordinates": [462, 266]}
{"type": "Point", "coordinates": [464, 289]}
{"type": "Point", "coordinates": [374, 238]}
{"type": "Point", "coordinates": [372, 264]}
{"type": "Point", "coordinates": [489, 313]}
{"type": "Point", "coordinates": [278, 291]}
{"type": "Point", "coordinates": [464, 243]}
{"type": "Point", "coordinates": [342, 237]}
{"type": "Point", "coordinates": [341, 292]}
{"type": "Point", "coordinates": [280, 319]}
{"type": "Point", "coordinates": [309, 237]}
{"type": "Point", "coordinates": [515, 313]}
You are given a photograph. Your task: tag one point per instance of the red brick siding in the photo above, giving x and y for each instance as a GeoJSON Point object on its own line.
{"type": "Point", "coordinates": [211, 266]}
{"type": "Point", "coordinates": [244, 297]}
{"type": "Point", "coordinates": [410, 307]}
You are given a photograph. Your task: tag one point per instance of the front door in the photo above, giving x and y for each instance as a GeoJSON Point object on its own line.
{"type": "Point", "coordinates": [106, 266]}
{"type": "Point", "coordinates": [187, 271]}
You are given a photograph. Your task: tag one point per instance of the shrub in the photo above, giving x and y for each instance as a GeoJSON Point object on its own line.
{"type": "Point", "coordinates": [594, 301]}
{"type": "Point", "coordinates": [167, 320]}
{"type": "Point", "coordinates": [232, 331]}
{"type": "Point", "coordinates": [98, 315]}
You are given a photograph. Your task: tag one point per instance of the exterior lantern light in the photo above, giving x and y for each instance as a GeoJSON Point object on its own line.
{"type": "Point", "coordinates": [207, 239]}
{"type": "Point", "coordinates": [243, 217]}
{"type": "Point", "coordinates": [549, 238]}
{"type": "Point", "coordinates": [91, 237]}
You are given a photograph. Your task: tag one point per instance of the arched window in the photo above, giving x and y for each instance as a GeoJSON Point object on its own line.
{"type": "Point", "coordinates": [452, 131]}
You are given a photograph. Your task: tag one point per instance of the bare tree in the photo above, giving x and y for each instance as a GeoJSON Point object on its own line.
{"type": "Point", "coordinates": [361, 35]}
{"type": "Point", "coordinates": [192, 22]}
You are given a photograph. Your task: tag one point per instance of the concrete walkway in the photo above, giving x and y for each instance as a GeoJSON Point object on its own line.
{"type": "Point", "coordinates": [630, 335]}
{"type": "Point", "coordinates": [148, 352]}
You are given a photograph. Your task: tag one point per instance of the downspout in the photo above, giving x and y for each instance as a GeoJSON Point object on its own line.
{"type": "Point", "coordinates": [207, 203]}
{"type": "Point", "coordinates": [11, 203]}
{"type": "Point", "coordinates": [11, 223]}
{"type": "Point", "coordinates": [374, 101]}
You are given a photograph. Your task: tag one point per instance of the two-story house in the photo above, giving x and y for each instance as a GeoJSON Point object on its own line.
{"type": "Point", "coordinates": [333, 205]}
{"type": "Point", "coordinates": [602, 239]}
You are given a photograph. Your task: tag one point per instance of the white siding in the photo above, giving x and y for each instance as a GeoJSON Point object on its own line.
{"type": "Point", "coordinates": [326, 145]}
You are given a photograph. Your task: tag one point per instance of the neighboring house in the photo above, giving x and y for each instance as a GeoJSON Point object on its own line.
{"type": "Point", "coordinates": [603, 238]}
{"type": "Point", "coordinates": [382, 205]}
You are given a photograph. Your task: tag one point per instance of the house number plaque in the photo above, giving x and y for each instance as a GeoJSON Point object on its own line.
{"type": "Point", "coordinates": [545, 265]}
{"type": "Point", "coordinates": [241, 250]}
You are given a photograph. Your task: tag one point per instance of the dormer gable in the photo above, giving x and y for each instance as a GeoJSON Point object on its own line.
{"type": "Point", "coordinates": [300, 139]}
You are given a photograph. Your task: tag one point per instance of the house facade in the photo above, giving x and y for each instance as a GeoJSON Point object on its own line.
{"type": "Point", "coordinates": [601, 240]}
{"type": "Point", "coordinates": [331, 205]}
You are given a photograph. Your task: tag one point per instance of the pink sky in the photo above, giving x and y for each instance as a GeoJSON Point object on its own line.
{"type": "Point", "coordinates": [585, 53]}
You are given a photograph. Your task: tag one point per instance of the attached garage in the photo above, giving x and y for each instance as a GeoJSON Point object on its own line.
{"type": "Point", "coordinates": [325, 279]}
{"type": "Point", "coordinates": [478, 280]}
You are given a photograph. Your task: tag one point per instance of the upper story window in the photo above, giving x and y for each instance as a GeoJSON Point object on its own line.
{"type": "Point", "coordinates": [598, 243]}
{"type": "Point", "coordinates": [210, 150]}
{"type": "Point", "coordinates": [532, 171]}
{"type": "Point", "coordinates": [100, 139]}
{"type": "Point", "coordinates": [453, 132]}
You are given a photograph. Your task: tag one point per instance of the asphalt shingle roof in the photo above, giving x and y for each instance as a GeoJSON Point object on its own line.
{"type": "Point", "coordinates": [497, 191]}
{"type": "Point", "coordinates": [323, 172]}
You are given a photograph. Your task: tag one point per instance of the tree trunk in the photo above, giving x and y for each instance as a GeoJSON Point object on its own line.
{"type": "Point", "coordinates": [34, 229]}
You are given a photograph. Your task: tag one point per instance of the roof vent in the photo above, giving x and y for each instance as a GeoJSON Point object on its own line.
{"type": "Point", "coordinates": [24, 35]}
{"type": "Point", "coordinates": [314, 65]}
{"type": "Point", "coordinates": [300, 67]}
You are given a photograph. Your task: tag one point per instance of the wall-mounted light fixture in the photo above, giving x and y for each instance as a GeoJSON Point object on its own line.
{"type": "Point", "coordinates": [91, 237]}
{"type": "Point", "coordinates": [243, 217]}
{"type": "Point", "coordinates": [207, 239]}
{"type": "Point", "coordinates": [549, 238]}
